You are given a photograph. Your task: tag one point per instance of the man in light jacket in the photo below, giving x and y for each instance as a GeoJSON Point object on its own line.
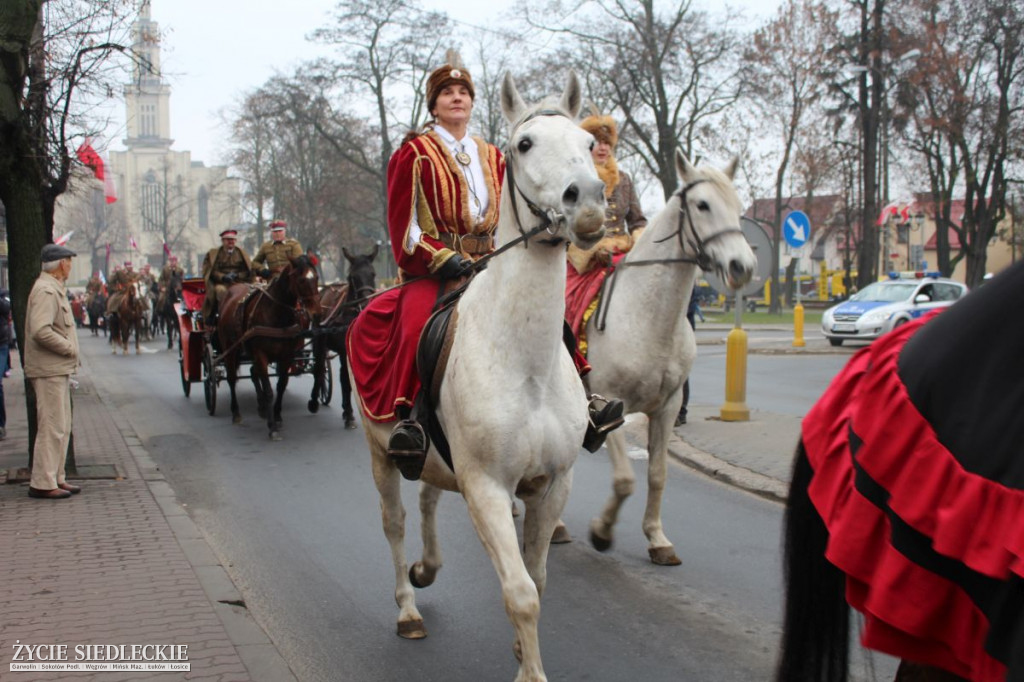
{"type": "Point", "coordinates": [51, 357]}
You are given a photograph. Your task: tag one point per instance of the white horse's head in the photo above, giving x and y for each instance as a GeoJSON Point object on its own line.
{"type": "Point", "coordinates": [548, 168]}
{"type": "Point", "coordinates": [709, 221]}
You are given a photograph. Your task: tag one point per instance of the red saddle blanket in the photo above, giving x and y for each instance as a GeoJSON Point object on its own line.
{"type": "Point", "coordinates": [381, 347]}
{"type": "Point", "coordinates": [581, 291]}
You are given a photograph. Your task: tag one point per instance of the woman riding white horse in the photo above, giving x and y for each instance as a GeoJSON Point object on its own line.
{"type": "Point", "coordinates": [511, 402]}
{"type": "Point", "coordinates": [639, 342]}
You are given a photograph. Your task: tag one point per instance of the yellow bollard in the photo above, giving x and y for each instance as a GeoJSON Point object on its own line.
{"type": "Point", "coordinates": [798, 326]}
{"type": "Point", "coordinates": [735, 407]}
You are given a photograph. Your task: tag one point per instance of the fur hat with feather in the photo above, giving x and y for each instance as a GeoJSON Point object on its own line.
{"type": "Point", "coordinates": [452, 71]}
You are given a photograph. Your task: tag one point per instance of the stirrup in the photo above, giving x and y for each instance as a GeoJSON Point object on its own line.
{"type": "Point", "coordinates": [602, 421]}
{"type": "Point", "coordinates": [407, 448]}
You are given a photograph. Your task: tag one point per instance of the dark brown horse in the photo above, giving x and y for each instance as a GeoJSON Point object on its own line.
{"type": "Point", "coordinates": [907, 502]}
{"type": "Point", "coordinates": [129, 317]}
{"type": "Point", "coordinates": [341, 303]}
{"type": "Point", "coordinates": [163, 311]}
{"type": "Point", "coordinates": [266, 324]}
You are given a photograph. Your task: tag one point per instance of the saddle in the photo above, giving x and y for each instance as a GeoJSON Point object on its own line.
{"type": "Point", "coordinates": [432, 355]}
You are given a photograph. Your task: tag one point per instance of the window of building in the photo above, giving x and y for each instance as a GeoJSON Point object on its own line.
{"type": "Point", "coordinates": [152, 206]}
{"type": "Point", "coordinates": [203, 199]}
{"type": "Point", "coordinates": [147, 121]}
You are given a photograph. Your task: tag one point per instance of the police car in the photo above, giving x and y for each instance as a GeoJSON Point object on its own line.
{"type": "Point", "coordinates": [885, 305]}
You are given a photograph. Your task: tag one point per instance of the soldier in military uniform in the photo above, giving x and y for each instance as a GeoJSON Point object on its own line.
{"type": "Point", "coordinates": [172, 268]}
{"type": "Point", "coordinates": [169, 272]}
{"type": "Point", "coordinates": [223, 266]}
{"type": "Point", "coordinates": [118, 284]}
{"type": "Point", "coordinates": [276, 253]}
{"type": "Point", "coordinates": [92, 288]}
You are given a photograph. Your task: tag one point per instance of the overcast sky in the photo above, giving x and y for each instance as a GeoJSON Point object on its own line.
{"type": "Point", "coordinates": [215, 50]}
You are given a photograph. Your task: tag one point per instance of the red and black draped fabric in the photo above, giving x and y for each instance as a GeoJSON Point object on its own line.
{"type": "Point", "coordinates": [424, 178]}
{"type": "Point", "coordinates": [917, 449]}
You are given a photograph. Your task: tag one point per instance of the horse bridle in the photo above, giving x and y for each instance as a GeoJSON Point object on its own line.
{"type": "Point", "coordinates": [701, 259]}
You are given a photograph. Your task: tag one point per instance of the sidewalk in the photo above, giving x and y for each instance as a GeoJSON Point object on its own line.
{"type": "Point", "coordinates": [120, 564]}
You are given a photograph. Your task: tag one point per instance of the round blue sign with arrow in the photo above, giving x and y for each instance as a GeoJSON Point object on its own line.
{"type": "Point", "coordinates": [796, 228]}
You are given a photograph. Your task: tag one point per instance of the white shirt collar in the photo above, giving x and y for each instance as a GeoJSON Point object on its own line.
{"type": "Point", "coordinates": [450, 139]}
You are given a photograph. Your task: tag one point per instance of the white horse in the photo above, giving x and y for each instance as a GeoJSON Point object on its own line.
{"type": "Point", "coordinates": [512, 405]}
{"type": "Point", "coordinates": [639, 343]}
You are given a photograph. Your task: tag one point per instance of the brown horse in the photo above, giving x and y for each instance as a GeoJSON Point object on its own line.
{"type": "Point", "coordinates": [341, 303]}
{"type": "Point", "coordinates": [266, 323]}
{"type": "Point", "coordinates": [130, 316]}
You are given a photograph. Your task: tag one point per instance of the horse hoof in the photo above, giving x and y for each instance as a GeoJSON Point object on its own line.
{"type": "Point", "coordinates": [600, 544]}
{"type": "Point", "coordinates": [313, 406]}
{"type": "Point", "coordinates": [664, 556]}
{"type": "Point", "coordinates": [414, 579]}
{"type": "Point", "coordinates": [237, 419]}
{"type": "Point", "coordinates": [350, 424]}
{"type": "Point", "coordinates": [412, 629]}
{"type": "Point", "coordinates": [275, 436]}
{"type": "Point", "coordinates": [561, 535]}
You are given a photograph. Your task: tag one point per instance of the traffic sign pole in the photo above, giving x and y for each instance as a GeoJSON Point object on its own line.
{"type": "Point", "coordinates": [796, 228]}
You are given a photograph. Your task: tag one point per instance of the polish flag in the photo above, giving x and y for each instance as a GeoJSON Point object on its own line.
{"type": "Point", "coordinates": [132, 243]}
{"type": "Point", "coordinates": [890, 210]}
{"type": "Point", "coordinates": [90, 158]}
{"type": "Point", "coordinates": [167, 250]}
{"type": "Point", "coordinates": [64, 238]}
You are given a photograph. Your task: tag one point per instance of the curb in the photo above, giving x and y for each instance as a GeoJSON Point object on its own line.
{"type": "Point", "coordinates": [259, 655]}
{"type": "Point", "coordinates": [730, 474]}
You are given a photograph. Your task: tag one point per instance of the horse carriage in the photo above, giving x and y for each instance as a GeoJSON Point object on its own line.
{"type": "Point", "coordinates": [203, 358]}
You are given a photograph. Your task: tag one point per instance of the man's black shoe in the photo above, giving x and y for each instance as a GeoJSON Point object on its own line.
{"type": "Point", "coordinates": [681, 417]}
{"type": "Point", "coordinates": [603, 420]}
{"type": "Point", "coordinates": [407, 448]}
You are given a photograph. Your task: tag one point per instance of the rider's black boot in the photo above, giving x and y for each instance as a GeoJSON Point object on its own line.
{"type": "Point", "coordinates": [407, 448]}
{"type": "Point", "coordinates": [605, 417]}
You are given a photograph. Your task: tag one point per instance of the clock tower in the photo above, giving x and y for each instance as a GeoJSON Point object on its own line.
{"type": "Point", "coordinates": [147, 96]}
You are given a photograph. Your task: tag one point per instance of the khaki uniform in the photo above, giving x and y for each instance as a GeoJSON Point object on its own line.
{"type": "Point", "coordinates": [119, 283]}
{"type": "Point", "coordinates": [51, 357]}
{"type": "Point", "coordinates": [216, 266]}
{"type": "Point", "coordinates": [164, 283]}
{"type": "Point", "coordinates": [276, 255]}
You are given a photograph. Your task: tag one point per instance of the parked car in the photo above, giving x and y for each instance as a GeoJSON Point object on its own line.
{"type": "Point", "coordinates": [882, 306]}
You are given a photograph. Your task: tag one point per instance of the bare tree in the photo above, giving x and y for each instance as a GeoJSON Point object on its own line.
{"type": "Point", "coordinates": [967, 106]}
{"type": "Point", "coordinates": [669, 73]}
{"type": "Point", "coordinates": [783, 82]}
{"type": "Point", "coordinates": [55, 63]}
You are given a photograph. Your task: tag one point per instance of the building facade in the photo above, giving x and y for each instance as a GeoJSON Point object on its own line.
{"type": "Point", "coordinates": [166, 203]}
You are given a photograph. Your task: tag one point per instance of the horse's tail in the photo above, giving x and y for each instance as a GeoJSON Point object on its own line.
{"type": "Point", "coordinates": [816, 635]}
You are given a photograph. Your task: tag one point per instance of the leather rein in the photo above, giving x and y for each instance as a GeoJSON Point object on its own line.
{"type": "Point", "coordinates": [701, 258]}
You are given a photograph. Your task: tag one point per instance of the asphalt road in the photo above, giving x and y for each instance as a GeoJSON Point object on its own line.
{"type": "Point", "coordinates": [297, 525]}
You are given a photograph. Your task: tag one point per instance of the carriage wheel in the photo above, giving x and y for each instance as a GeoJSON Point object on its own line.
{"type": "Point", "coordinates": [186, 385]}
{"type": "Point", "coordinates": [210, 380]}
{"type": "Point", "coordinates": [327, 383]}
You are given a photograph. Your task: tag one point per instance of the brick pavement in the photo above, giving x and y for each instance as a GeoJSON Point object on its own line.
{"type": "Point", "coordinates": [122, 563]}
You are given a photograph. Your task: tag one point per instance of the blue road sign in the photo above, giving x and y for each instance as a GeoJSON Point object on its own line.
{"type": "Point", "coordinates": [796, 228]}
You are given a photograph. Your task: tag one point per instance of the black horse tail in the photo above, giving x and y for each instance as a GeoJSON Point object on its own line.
{"type": "Point", "coordinates": [816, 634]}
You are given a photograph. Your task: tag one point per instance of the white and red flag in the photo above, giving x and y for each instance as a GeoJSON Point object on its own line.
{"type": "Point", "coordinates": [63, 239]}
{"type": "Point", "coordinates": [132, 243]}
{"type": "Point", "coordinates": [92, 160]}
